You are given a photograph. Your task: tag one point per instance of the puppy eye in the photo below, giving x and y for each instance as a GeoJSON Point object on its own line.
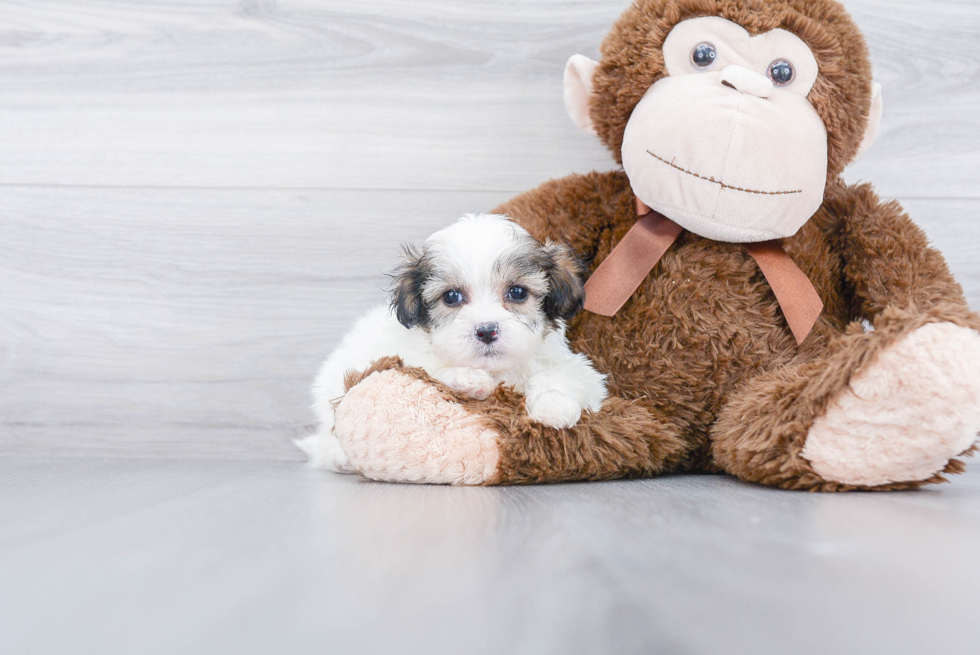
{"type": "Point", "coordinates": [452, 298]}
{"type": "Point", "coordinates": [517, 294]}
{"type": "Point", "coordinates": [781, 72]}
{"type": "Point", "coordinates": [703, 55]}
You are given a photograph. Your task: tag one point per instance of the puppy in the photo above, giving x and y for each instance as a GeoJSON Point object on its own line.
{"type": "Point", "coordinates": [483, 303]}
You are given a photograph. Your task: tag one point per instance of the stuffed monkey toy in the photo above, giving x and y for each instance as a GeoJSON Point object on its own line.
{"type": "Point", "coordinates": [754, 314]}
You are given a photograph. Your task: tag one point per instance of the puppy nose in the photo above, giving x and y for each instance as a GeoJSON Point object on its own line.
{"type": "Point", "coordinates": [487, 333]}
{"type": "Point", "coordinates": [746, 81]}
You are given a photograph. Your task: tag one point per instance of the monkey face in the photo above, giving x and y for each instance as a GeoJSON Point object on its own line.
{"type": "Point", "coordinates": [731, 129]}
{"type": "Point", "coordinates": [727, 144]}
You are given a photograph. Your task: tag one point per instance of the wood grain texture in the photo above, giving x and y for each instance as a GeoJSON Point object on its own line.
{"type": "Point", "coordinates": [190, 322]}
{"type": "Point", "coordinates": [258, 557]}
{"type": "Point", "coordinates": [434, 94]}
{"type": "Point", "coordinates": [197, 197]}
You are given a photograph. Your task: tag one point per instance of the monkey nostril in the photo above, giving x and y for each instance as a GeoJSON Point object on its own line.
{"type": "Point", "coordinates": [487, 333]}
{"type": "Point", "coordinates": [747, 82]}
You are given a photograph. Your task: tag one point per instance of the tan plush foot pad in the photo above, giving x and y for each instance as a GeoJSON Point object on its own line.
{"type": "Point", "coordinates": [396, 427]}
{"type": "Point", "coordinates": [907, 415]}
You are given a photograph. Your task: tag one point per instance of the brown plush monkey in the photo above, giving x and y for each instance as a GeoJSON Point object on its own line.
{"type": "Point", "coordinates": [733, 120]}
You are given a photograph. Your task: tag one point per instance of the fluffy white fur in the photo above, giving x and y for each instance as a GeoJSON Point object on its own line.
{"type": "Point", "coordinates": [483, 258]}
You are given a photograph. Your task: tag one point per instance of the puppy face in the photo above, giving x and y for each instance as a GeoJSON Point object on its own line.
{"type": "Point", "coordinates": [486, 292]}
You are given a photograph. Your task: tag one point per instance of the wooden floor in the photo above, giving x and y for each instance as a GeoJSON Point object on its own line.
{"type": "Point", "coordinates": [197, 198]}
{"type": "Point", "coordinates": [150, 556]}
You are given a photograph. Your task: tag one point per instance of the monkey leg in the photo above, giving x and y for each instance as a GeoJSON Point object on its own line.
{"type": "Point", "coordinates": [886, 409]}
{"type": "Point", "coordinates": [398, 424]}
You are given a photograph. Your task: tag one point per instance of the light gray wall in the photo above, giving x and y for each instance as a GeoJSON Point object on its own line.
{"type": "Point", "coordinates": [197, 197]}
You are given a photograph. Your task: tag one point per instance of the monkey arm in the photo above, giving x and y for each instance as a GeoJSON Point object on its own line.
{"type": "Point", "coordinates": [396, 423]}
{"type": "Point", "coordinates": [575, 210]}
{"type": "Point", "coordinates": [887, 260]}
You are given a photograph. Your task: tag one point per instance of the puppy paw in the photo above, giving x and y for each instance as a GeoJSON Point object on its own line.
{"type": "Point", "coordinates": [475, 383]}
{"type": "Point", "coordinates": [336, 460]}
{"type": "Point", "coordinates": [550, 405]}
{"type": "Point", "coordinates": [324, 452]}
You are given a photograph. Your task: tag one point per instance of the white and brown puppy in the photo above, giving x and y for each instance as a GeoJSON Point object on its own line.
{"type": "Point", "coordinates": [483, 303]}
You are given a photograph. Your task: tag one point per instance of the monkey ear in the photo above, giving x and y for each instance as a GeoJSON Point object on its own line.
{"type": "Point", "coordinates": [406, 291]}
{"type": "Point", "coordinates": [566, 291]}
{"type": "Point", "coordinates": [874, 121]}
{"type": "Point", "coordinates": [578, 88]}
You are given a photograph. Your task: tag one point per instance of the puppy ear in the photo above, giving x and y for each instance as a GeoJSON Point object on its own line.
{"type": "Point", "coordinates": [406, 291]}
{"type": "Point", "coordinates": [566, 291]}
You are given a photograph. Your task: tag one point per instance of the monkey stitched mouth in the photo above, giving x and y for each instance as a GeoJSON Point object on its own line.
{"type": "Point", "coordinates": [720, 183]}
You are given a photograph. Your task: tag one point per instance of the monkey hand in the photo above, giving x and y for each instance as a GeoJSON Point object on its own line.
{"type": "Point", "coordinates": [395, 425]}
{"type": "Point", "coordinates": [907, 414]}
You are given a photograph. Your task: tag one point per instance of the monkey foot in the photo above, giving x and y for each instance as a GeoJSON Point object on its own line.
{"type": "Point", "coordinates": [397, 427]}
{"type": "Point", "coordinates": [903, 418]}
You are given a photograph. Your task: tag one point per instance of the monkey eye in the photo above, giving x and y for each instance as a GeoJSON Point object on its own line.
{"type": "Point", "coordinates": [452, 298]}
{"type": "Point", "coordinates": [781, 72]}
{"type": "Point", "coordinates": [703, 55]}
{"type": "Point", "coordinates": [517, 294]}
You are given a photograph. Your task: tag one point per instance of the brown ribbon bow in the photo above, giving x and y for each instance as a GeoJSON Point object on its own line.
{"type": "Point", "coordinates": [619, 275]}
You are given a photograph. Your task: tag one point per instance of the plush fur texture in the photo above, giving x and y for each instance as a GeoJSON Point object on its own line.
{"type": "Point", "coordinates": [882, 430]}
{"type": "Point", "coordinates": [436, 440]}
{"type": "Point", "coordinates": [703, 372]}
{"type": "Point", "coordinates": [398, 438]}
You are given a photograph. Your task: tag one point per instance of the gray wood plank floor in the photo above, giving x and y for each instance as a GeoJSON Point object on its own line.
{"type": "Point", "coordinates": [196, 199]}
{"type": "Point", "coordinates": [146, 556]}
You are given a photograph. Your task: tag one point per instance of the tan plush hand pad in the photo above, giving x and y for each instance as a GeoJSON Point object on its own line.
{"type": "Point", "coordinates": [400, 428]}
